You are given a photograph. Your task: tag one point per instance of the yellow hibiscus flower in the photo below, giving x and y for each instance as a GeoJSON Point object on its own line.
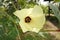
{"type": "Point", "coordinates": [31, 19]}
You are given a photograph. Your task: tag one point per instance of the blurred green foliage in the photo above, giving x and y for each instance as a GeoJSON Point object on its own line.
{"type": "Point", "coordinates": [45, 9]}
{"type": "Point", "coordinates": [55, 10]}
{"type": "Point", "coordinates": [57, 0]}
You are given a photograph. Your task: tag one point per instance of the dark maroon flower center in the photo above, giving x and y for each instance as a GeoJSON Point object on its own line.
{"type": "Point", "coordinates": [27, 19]}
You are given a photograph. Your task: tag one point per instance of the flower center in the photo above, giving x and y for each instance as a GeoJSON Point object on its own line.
{"type": "Point", "coordinates": [27, 19]}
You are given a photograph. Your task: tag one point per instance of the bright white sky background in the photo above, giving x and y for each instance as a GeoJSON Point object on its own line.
{"type": "Point", "coordinates": [43, 2]}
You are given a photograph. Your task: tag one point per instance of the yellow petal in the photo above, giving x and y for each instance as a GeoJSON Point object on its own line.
{"type": "Point", "coordinates": [21, 13]}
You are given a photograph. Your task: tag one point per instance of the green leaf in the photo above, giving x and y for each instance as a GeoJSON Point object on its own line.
{"type": "Point", "coordinates": [55, 10]}
{"type": "Point", "coordinates": [8, 27]}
